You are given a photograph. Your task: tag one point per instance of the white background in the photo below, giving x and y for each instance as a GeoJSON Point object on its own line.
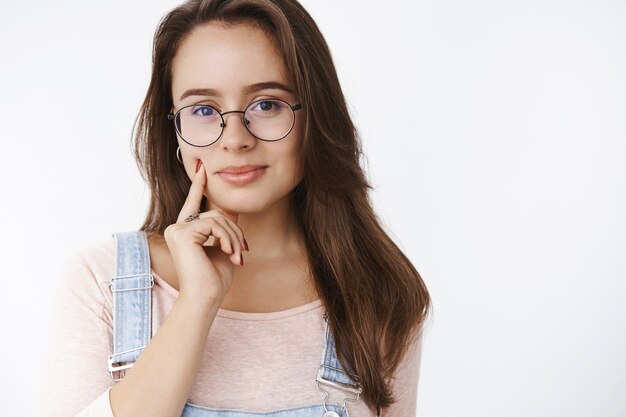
{"type": "Point", "coordinates": [495, 136]}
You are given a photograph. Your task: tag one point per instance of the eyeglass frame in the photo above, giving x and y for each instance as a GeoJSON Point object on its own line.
{"type": "Point", "coordinates": [172, 117]}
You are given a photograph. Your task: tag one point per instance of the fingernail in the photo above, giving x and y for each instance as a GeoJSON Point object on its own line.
{"type": "Point", "coordinates": [241, 257]}
{"type": "Point", "coordinates": [245, 244]}
{"type": "Point", "coordinates": [198, 165]}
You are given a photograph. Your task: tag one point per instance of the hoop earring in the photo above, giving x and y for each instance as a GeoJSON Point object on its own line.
{"type": "Point", "coordinates": [178, 155]}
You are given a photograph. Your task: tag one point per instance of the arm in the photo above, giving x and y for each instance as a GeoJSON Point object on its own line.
{"type": "Point", "coordinates": [159, 382]}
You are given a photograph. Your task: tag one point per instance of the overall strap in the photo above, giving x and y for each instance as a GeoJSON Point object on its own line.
{"type": "Point", "coordinates": [132, 300]}
{"type": "Point", "coordinates": [332, 373]}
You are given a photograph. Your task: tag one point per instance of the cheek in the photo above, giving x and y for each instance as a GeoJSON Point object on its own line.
{"type": "Point", "coordinates": [190, 155]}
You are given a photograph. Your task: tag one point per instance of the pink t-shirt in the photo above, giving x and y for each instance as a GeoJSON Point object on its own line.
{"type": "Point", "coordinates": [252, 361]}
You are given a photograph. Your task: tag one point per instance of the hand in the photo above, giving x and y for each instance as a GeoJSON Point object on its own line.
{"type": "Point", "coordinates": [205, 273]}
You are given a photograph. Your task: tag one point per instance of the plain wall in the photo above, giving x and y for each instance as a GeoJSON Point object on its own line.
{"type": "Point", "coordinates": [495, 139]}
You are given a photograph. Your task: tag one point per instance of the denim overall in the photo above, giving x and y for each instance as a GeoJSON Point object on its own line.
{"type": "Point", "coordinates": [132, 302]}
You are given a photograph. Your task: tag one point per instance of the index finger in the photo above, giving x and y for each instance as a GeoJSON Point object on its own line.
{"type": "Point", "coordinates": [193, 202]}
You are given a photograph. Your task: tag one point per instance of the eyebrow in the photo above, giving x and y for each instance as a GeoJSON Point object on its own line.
{"type": "Point", "coordinates": [246, 90]}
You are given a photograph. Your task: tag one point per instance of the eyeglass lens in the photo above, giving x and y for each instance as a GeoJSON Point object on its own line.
{"type": "Point", "coordinates": [266, 119]}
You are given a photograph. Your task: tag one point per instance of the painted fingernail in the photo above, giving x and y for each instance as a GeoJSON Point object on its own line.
{"type": "Point", "coordinates": [241, 257]}
{"type": "Point", "coordinates": [198, 165]}
{"type": "Point", "coordinates": [245, 244]}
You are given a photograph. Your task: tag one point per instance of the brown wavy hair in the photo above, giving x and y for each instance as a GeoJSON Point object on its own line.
{"type": "Point", "coordinates": [376, 300]}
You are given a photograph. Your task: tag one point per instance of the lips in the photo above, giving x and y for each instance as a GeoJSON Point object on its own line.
{"type": "Point", "coordinates": [245, 175]}
{"type": "Point", "coordinates": [239, 169]}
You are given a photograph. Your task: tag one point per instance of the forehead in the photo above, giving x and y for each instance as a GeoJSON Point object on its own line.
{"type": "Point", "coordinates": [226, 58]}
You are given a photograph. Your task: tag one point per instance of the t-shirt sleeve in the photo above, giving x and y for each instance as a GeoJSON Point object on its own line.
{"type": "Point", "coordinates": [74, 377]}
{"type": "Point", "coordinates": [405, 382]}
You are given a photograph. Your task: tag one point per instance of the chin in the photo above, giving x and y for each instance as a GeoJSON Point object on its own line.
{"type": "Point", "coordinates": [241, 204]}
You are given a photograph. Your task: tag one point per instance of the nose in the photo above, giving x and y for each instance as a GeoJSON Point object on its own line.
{"type": "Point", "coordinates": [235, 135]}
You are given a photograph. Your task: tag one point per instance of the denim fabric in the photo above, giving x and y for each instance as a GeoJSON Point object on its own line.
{"type": "Point", "coordinates": [132, 297]}
{"type": "Point", "coordinates": [191, 410]}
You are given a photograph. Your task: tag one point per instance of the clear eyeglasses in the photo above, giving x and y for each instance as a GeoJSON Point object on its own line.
{"type": "Point", "coordinates": [265, 119]}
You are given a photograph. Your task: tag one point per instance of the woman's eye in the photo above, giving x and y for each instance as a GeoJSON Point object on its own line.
{"type": "Point", "coordinates": [267, 106]}
{"type": "Point", "coordinates": [203, 111]}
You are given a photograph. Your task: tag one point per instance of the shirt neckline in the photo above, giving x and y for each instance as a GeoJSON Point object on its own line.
{"type": "Point", "coordinates": [243, 315]}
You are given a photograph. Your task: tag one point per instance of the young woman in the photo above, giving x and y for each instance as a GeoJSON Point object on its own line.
{"type": "Point", "coordinates": [261, 282]}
